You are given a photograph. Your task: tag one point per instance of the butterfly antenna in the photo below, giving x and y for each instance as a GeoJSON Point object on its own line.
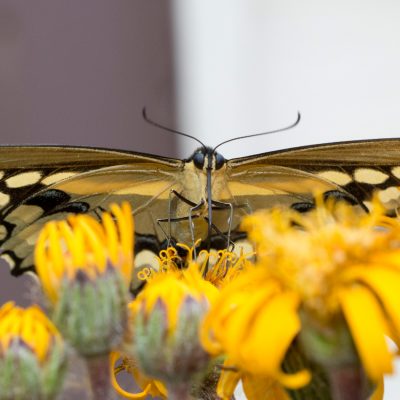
{"type": "Point", "coordinates": [263, 133]}
{"type": "Point", "coordinates": [156, 124]}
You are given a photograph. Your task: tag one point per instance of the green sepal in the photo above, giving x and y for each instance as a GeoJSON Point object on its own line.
{"type": "Point", "coordinates": [92, 314]}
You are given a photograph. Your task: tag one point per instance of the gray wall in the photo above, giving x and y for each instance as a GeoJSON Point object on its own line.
{"type": "Point", "coordinates": [79, 72]}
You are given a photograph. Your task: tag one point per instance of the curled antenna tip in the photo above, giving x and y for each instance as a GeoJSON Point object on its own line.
{"type": "Point", "coordinates": [263, 133]}
{"type": "Point", "coordinates": [165, 128]}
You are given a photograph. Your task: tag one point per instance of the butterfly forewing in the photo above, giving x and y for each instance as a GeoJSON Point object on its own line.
{"type": "Point", "coordinates": [42, 183]}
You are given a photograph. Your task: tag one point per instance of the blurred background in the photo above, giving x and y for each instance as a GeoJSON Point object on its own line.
{"type": "Point", "coordinates": [79, 72]}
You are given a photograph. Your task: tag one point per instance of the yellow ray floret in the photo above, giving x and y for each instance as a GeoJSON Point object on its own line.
{"type": "Point", "coordinates": [29, 326]}
{"type": "Point", "coordinates": [83, 244]}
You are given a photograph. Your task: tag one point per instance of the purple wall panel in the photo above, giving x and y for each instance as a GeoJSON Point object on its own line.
{"type": "Point", "coordinates": [79, 72]}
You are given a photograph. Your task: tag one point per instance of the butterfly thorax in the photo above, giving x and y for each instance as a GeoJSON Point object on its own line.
{"type": "Point", "coordinates": [203, 175]}
{"type": "Point", "coordinates": [204, 168]}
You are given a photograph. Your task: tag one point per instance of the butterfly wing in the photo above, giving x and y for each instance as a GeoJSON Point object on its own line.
{"type": "Point", "coordinates": [355, 169]}
{"type": "Point", "coordinates": [39, 183]}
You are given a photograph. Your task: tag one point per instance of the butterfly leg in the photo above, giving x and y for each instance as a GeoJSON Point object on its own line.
{"type": "Point", "coordinates": [192, 210]}
{"type": "Point", "coordinates": [180, 197]}
{"type": "Point", "coordinates": [170, 220]}
{"type": "Point", "coordinates": [219, 205]}
{"type": "Point", "coordinates": [221, 235]}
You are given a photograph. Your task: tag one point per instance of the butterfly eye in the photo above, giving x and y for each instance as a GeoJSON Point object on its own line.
{"type": "Point", "coordinates": [198, 160]}
{"type": "Point", "coordinates": [219, 161]}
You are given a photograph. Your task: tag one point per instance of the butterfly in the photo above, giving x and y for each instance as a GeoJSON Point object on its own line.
{"type": "Point", "coordinates": [202, 196]}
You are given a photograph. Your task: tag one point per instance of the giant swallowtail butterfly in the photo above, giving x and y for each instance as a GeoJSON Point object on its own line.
{"type": "Point", "coordinates": [39, 183]}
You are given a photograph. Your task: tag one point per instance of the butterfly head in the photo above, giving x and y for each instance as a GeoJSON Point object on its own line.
{"type": "Point", "coordinates": [206, 158]}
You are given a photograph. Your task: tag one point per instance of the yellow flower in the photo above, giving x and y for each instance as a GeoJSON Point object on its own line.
{"type": "Point", "coordinates": [32, 354]}
{"type": "Point", "coordinates": [255, 387]}
{"type": "Point", "coordinates": [30, 326]}
{"type": "Point", "coordinates": [85, 268]}
{"type": "Point", "coordinates": [149, 386]}
{"type": "Point", "coordinates": [173, 288]}
{"type": "Point", "coordinates": [217, 267]}
{"type": "Point", "coordinates": [81, 245]}
{"type": "Point", "coordinates": [164, 325]}
{"type": "Point", "coordinates": [254, 323]}
{"type": "Point", "coordinates": [321, 267]}
{"type": "Point", "coordinates": [223, 266]}
{"type": "Point", "coordinates": [339, 265]}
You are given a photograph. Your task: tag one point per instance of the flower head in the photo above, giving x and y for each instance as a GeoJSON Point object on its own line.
{"type": "Point", "coordinates": [338, 265]}
{"type": "Point", "coordinates": [315, 276]}
{"type": "Point", "coordinates": [32, 354]}
{"type": "Point", "coordinates": [164, 324]}
{"type": "Point", "coordinates": [83, 248]}
{"type": "Point", "coordinates": [85, 268]}
{"type": "Point", "coordinates": [217, 267]}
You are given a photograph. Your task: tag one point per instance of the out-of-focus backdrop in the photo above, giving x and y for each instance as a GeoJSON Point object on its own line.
{"type": "Point", "coordinates": [80, 72]}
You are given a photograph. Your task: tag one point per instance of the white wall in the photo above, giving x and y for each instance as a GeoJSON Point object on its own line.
{"type": "Point", "coordinates": [247, 66]}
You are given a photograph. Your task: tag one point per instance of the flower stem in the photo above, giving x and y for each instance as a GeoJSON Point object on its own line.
{"type": "Point", "coordinates": [347, 383]}
{"type": "Point", "coordinates": [179, 392]}
{"type": "Point", "coordinates": [99, 375]}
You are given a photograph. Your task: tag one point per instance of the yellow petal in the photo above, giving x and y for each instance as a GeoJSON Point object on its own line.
{"type": "Point", "coordinates": [228, 381]}
{"type": "Point", "coordinates": [379, 391]}
{"type": "Point", "coordinates": [367, 323]}
{"type": "Point", "coordinates": [237, 327]}
{"type": "Point", "coordinates": [93, 242]}
{"type": "Point", "coordinates": [230, 314]}
{"type": "Point", "coordinates": [262, 388]}
{"type": "Point", "coordinates": [270, 335]}
{"type": "Point", "coordinates": [111, 236]}
{"type": "Point", "coordinates": [385, 282]}
{"type": "Point", "coordinates": [141, 395]}
{"type": "Point", "coordinates": [295, 380]}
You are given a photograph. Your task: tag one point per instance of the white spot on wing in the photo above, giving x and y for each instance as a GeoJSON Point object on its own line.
{"type": "Point", "coordinates": [396, 172]}
{"type": "Point", "coordinates": [4, 199]}
{"type": "Point", "coordinates": [369, 205]}
{"type": "Point", "coordinates": [3, 232]}
{"type": "Point", "coordinates": [338, 177]}
{"type": "Point", "coordinates": [49, 180]}
{"type": "Point", "coordinates": [23, 179]}
{"type": "Point", "coordinates": [390, 194]}
{"type": "Point", "coordinates": [9, 260]}
{"type": "Point", "coordinates": [370, 175]}
{"type": "Point", "coordinates": [1, 174]}
{"type": "Point", "coordinates": [146, 258]}
{"type": "Point", "coordinates": [143, 259]}
{"type": "Point", "coordinates": [244, 247]}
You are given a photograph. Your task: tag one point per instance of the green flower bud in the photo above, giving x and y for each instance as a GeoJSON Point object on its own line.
{"type": "Point", "coordinates": [32, 356]}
